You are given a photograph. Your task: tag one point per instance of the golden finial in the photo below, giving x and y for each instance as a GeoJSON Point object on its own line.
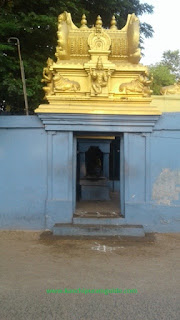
{"type": "Point", "coordinates": [83, 22]}
{"type": "Point", "coordinates": [113, 23]}
{"type": "Point", "coordinates": [99, 23]}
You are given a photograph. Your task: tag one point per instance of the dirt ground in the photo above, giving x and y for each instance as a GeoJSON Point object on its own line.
{"type": "Point", "coordinates": [32, 262]}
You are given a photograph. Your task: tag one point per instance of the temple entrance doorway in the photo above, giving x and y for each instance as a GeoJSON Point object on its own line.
{"type": "Point", "coordinates": [98, 177]}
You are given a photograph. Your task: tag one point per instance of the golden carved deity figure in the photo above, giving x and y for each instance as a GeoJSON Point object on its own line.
{"type": "Point", "coordinates": [48, 78]}
{"type": "Point", "coordinates": [64, 84]}
{"type": "Point", "coordinates": [99, 77]}
{"type": "Point", "coordinates": [139, 85]}
{"type": "Point", "coordinates": [172, 89]}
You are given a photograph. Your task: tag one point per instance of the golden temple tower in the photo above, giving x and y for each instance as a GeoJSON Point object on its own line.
{"type": "Point", "coordinates": [97, 70]}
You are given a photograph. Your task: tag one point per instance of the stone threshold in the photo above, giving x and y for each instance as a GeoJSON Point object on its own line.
{"type": "Point", "coordinates": [97, 230]}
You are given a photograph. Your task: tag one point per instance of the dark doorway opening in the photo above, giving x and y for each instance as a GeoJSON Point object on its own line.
{"type": "Point", "coordinates": [98, 177]}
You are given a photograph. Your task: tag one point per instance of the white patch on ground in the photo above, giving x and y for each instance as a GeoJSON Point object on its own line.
{"type": "Point", "coordinates": [167, 187]}
{"type": "Point", "coordinates": [104, 248]}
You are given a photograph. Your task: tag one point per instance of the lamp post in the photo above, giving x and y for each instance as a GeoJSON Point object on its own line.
{"type": "Point", "coordinates": [22, 73]}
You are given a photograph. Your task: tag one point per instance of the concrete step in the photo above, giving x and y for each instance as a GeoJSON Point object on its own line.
{"type": "Point", "coordinates": [99, 221]}
{"type": "Point", "coordinates": [98, 230]}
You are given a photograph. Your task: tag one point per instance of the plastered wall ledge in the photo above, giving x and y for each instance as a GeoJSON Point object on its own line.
{"type": "Point", "coordinates": [167, 103]}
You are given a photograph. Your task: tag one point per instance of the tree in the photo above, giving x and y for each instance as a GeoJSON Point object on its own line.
{"type": "Point", "coordinates": [162, 77]}
{"type": "Point", "coordinates": [119, 8]}
{"type": "Point", "coordinates": [171, 59]}
{"type": "Point", "coordinates": [167, 71]}
{"type": "Point", "coordinates": [34, 23]}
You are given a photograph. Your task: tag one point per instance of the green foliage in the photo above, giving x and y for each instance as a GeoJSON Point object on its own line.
{"type": "Point", "coordinates": [167, 71]}
{"type": "Point", "coordinates": [34, 23]}
{"type": "Point", "coordinates": [119, 8]}
{"type": "Point", "coordinates": [162, 77]}
{"type": "Point", "coordinates": [171, 59]}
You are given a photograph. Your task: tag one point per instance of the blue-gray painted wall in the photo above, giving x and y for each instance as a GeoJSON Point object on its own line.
{"type": "Point", "coordinates": [23, 172]}
{"type": "Point", "coordinates": [38, 164]}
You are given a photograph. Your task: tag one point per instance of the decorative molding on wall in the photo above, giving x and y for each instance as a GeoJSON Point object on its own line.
{"type": "Point", "coordinates": [98, 123]}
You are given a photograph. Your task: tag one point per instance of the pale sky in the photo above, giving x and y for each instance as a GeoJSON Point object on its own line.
{"type": "Point", "coordinates": [166, 24]}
